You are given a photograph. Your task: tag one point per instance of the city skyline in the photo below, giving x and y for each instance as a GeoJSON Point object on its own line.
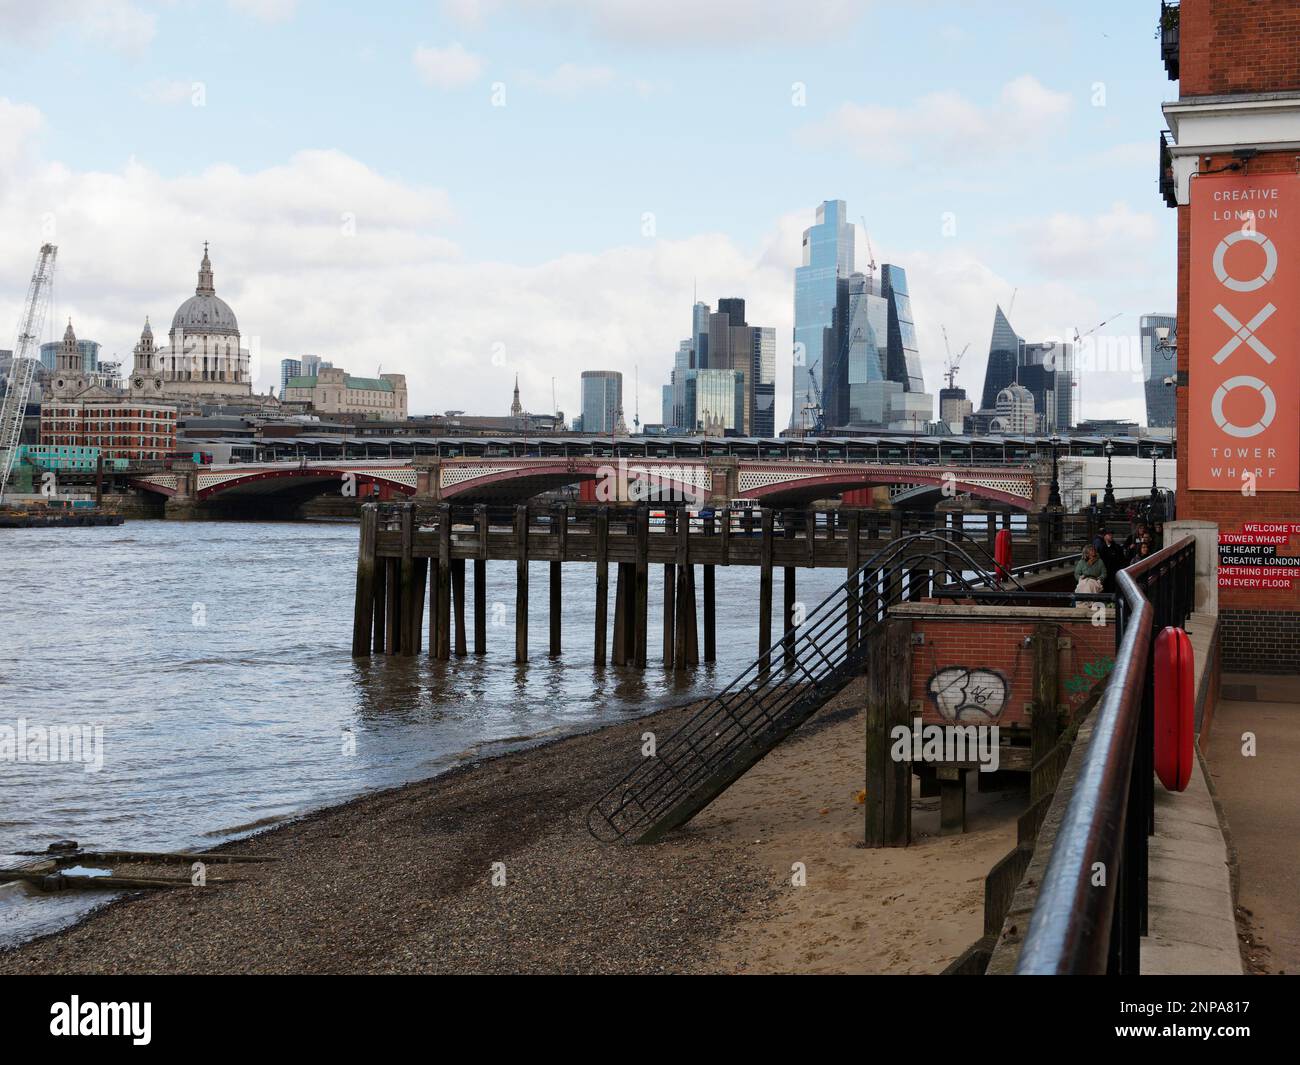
{"type": "Point", "coordinates": [337, 234]}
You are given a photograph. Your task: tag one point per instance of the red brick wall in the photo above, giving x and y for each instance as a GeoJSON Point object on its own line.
{"type": "Point", "coordinates": [1229, 46]}
{"type": "Point", "coordinates": [979, 644]}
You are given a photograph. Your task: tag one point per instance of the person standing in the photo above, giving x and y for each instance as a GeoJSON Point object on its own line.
{"type": "Point", "coordinates": [1112, 557]}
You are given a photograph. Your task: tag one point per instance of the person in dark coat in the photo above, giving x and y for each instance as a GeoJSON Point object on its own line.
{"type": "Point", "coordinates": [1112, 557]}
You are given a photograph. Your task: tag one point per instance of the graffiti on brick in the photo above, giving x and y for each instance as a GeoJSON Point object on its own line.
{"type": "Point", "coordinates": [963, 694]}
{"type": "Point", "coordinates": [1081, 683]}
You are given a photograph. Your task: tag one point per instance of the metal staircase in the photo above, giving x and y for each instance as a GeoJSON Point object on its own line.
{"type": "Point", "coordinates": [782, 689]}
{"type": "Point", "coordinates": [14, 405]}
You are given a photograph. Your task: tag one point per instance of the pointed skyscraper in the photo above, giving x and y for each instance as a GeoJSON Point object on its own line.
{"type": "Point", "coordinates": [1006, 350]}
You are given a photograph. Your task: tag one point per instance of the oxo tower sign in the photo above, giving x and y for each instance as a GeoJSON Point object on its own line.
{"type": "Point", "coordinates": [1244, 381]}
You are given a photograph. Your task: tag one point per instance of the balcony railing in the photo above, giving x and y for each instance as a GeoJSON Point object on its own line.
{"type": "Point", "coordinates": [1169, 37]}
{"type": "Point", "coordinates": [1079, 926]}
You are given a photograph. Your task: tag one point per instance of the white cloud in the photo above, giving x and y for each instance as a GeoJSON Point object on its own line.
{"type": "Point", "coordinates": [1117, 242]}
{"type": "Point", "coordinates": [451, 67]}
{"type": "Point", "coordinates": [945, 125]}
{"type": "Point", "coordinates": [570, 79]}
{"type": "Point", "coordinates": [19, 124]}
{"type": "Point", "coordinates": [121, 25]}
{"type": "Point", "coordinates": [682, 23]}
{"type": "Point", "coordinates": [266, 10]}
{"type": "Point", "coordinates": [169, 93]}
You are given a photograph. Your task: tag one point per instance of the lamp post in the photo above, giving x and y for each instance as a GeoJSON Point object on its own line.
{"type": "Point", "coordinates": [1108, 500]}
{"type": "Point", "coordinates": [1054, 497]}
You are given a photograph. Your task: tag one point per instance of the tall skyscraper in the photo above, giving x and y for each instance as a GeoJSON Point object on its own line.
{"type": "Point", "coordinates": [762, 413]}
{"type": "Point", "coordinates": [1005, 351]}
{"type": "Point", "coordinates": [818, 283]}
{"type": "Point", "coordinates": [289, 368]}
{"type": "Point", "coordinates": [867, 323]}
{"type": "Point", "coordinates": [602, 400]}
{"type": "Point", "coordinates": [904, 363]}
{"type": "Point", "coordinates": [89, 350]}
{"type": "Point", "coordinates": [1157, 364]}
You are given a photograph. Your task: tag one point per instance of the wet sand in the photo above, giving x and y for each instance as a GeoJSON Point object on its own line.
{"type": "Point", "coordinates": [401, 881]}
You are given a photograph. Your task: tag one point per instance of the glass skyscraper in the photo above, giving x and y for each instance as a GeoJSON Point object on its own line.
{"type": "Point", "coordinates": [867, 325]}
{"type": "Point", "coordinates": [602, 399]}
{"type": "Point", "coordinates": [89, 354]}
{"type": "Point", "coordinates": [904, 363]}
{"type": "Point", "coordinates": [289, 368]}
{"type": "Point", "coordinates": [1157, 364]}
{"type": "Point", "coordinates": [827, 261]}
{"type": "Point", "coordinates": [1006, 350]}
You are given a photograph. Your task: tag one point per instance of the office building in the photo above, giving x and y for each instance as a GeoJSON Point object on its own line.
{"type": "Point", "coordinates": [820, 282]}
{"type": "Point", "coordinates": [602, 400]}
{"type": "Point", "coordinates": [1158, 363]}
{"type": "Point", "coordinates": [334, 391]}
{"type": "Point", "coordinates": [290, 368]}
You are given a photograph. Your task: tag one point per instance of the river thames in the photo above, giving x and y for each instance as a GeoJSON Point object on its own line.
{"type": "Point", "coordinates": [215, 658]}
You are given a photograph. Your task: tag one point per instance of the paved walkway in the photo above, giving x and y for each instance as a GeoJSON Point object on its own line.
{"type": "Point", "coordinates": [1191, 925]}
{"type": "Point", "coordinates": [1260, 802]}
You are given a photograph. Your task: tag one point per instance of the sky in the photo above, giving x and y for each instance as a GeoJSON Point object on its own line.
{"type": "Point", "coordinates": [467, 190]}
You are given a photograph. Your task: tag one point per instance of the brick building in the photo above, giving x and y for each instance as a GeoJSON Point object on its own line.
{"type": "Point", "coordinates": [121, 429]}
{"type": "Point", "coordinates": [1231, 168]}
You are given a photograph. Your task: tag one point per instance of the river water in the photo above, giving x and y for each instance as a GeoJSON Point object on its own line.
{"type": "Point", "coordinates": [215, 658]}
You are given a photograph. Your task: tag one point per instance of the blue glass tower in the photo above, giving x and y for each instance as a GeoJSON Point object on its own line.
{"type": "Point", "coordinates": [827, 261]}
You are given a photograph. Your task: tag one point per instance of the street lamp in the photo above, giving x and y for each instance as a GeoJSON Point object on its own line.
{"type": "Point", "coordinates": [1108, 500]}
{"type": "Point", "coordinates": [1054, 497]}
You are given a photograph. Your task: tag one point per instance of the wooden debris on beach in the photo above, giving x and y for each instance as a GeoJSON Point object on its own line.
{"type": "Point", "coordinates": [47, 872]}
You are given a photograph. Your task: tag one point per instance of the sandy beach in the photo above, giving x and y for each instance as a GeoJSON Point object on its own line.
{"type": "Point", "coordinates": [402, 881]}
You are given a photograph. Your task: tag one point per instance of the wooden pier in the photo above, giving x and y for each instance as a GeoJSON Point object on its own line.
{"type": "Point", "coordinates": [414, 555]}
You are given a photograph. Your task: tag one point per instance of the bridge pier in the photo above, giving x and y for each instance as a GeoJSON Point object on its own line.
{"type": "Point", "coordinates": [364, 603]}
{"type": "Point", "coordinates": [444, 583]}
{"type": "Point", "coordinates": [521, 584]}
{"type": "Point", "coordinates": [480, 606]}
{"type": "Point", "coordinates": [602, 585]}
{"type": "Point", "coordinates": [557, 596]}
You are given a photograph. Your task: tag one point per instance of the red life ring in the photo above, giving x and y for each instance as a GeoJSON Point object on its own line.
{"type": "Point", "coordinates": [1002, 552]}
{"type": "Point", "coordinates": [1175, 701]}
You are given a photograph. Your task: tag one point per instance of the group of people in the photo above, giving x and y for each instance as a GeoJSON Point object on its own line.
{"type": "Point", "coordinates": [1102, 559]}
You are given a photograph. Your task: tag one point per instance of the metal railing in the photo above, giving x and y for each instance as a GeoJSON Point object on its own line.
{"type": "Point", "coordinates": [769, 700]}
{"type": "Point", "coordinates": [1091, 910]}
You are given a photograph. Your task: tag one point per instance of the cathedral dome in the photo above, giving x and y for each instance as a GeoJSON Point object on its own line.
{"type": "Point", "coordinates": [205, 311]}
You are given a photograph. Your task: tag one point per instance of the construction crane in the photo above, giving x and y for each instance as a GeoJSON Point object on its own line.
{"type": "Point", "coordinates": [26, 359]}
{"type": "Point", "coordinates": [1077, 381]}
{"type": "Point", "coordinates": [636, 399]}
{"type": "Point", "coordinates": [953, 363]}
{"type": "Point", "coordinates": [813, 418]}
{"type": "Point", "coordinates": [871, 256]}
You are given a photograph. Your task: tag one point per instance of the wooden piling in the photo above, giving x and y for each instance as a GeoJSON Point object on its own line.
{"type": "Point", "coordinates": [521, 584]}
{"type": "Point", "coordinates": [458, 600]}
{"type": "Point", "coordinates": [480, 581]}
{"type": "Point", "coordinates": [671, 658]}
{"type": "Point", "coordinates": [418, 583]}
{"type": "Point", "coordinates": [851, 566]}
{"type": "Point", "coordinates": [364, 603]}
{"type": "Point", "coordinates": [480, 606]}
{"type": "Point", "coordinates": [444, 583]}
{"type": "Point", "coordinates": [602, 583]}
{"type": "Point", "coordinates": [1044, 722]}
{"type": "Point", "coordinates": [380, 610]}
{"type": "Point", "coordinates": [765, 593]}
{"type": "Point", "coordinates": [406, 645]}
{"type": "Point", "coordinates": [642, 583]}
{"type": "Point", "coordinates": [710, 618]}
{"type": "Point", "coordinates": [556, 607]}
{"type": "Point", "coordinates": [619, 654]}
{"type": "Point", "coordinates": [692, 628]}
{"type": "Point", "coordinates": [888, 782]}
{"type": "Point", "coordinates": [434, 600]}
{"type": "Point", "coordinates": [392, 605]}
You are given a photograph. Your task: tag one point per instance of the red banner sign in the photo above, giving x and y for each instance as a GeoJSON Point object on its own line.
{"type": "Point", "coordinates": [1244, 377]}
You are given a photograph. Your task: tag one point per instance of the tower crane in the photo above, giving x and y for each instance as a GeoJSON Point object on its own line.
{"type": "Point", "coordinates": [871, 256]}
{"type": "Point", "coordinates": [25, 362]}
{"type": "Point", "coordinates": [953, 363]}
{"type": "Point", "coordinates": [1076, 381]}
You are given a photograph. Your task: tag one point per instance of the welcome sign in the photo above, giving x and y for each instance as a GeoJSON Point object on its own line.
{"type": "Point", "coordinates": [1244, 382]}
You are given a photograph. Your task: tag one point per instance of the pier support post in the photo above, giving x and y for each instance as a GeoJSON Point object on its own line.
{"type": "Point", "coordinates": [557, 597]}
{"type": "Point", "coordinates": [689, 613]}
{"type": "Point", "coordinates": [364, 602]}
{"type": "Point", "coordinates": [889, 781]}
{"type": "Point", "coordinates": [434, 599]}
{"type": "Point", "coordinates": [480, 582]}
{"type": "Point", "coordinates": [380, 608]}
{"type": "Point", "coordinates": [710, 618]}
{"type": "Point", "coordinates": [621, 591]}
{"type": "Point", "coordinates": [1044, 722]}
{"type": "Point", "coordinates": [392, 606]}
{"type": "Point", "coordinates": [406, 646]}
{"type": "Point", "coordinates": [642, 583]}
{"type": "Point", "coordinates": [418, 581]}
{"type": "Point", "coordinates": [765, 594]}
{"type": "Point", "coordinates": [521, 584]}
{"type": "Point", "coordinates": [952, 799]}
{"type": "Point", "coordinates": [602, 584]}
{"type": "Point", "coordinates": [673, 659]}
{"type": "Point", "coordinates": [458, 597]}
{"type": "Point", "coordinates": [444, 582]}
{"type": "Point", "coordinates": [851, 566]}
